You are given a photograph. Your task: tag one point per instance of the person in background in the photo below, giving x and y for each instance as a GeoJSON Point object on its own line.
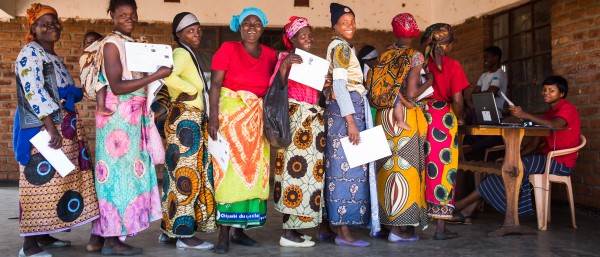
{"type": "Point", "coordinates": [46, 95]}
{"type": "Point", "coordinates": [444, 115]}
{"type": "Point", "coordinates": [90, 37]}
{"type": "Point", "coordinates": [493, 80]}
{"type": "Point", "coordinates": [188, 197]}
{"type": "Point", "coordinates": [347, 194]}
{"type": "Point", "coordinates": [562, 114]}
{"type": "Point", "coordinates": [127, 143]}
{"type": "Point", "coordinates": [240, 78]}
{"type": "Point", "coordinates": [367, 57]}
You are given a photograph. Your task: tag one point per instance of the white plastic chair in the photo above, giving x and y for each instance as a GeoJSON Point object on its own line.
{"type": "Point", "coordinates": [541, 187]}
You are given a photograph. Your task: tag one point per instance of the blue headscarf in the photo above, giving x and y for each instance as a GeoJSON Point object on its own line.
{"type": "Point", "coordinates": [236, 20]}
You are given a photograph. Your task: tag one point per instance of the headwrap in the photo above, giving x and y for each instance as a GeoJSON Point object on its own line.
{"type": "Point", "coordinates": [295, 24]}
{"type": "Point", "coordinates": [236, 20]}
{"type": "Point", "coordinates": [183, 20]}
{"type": "Point", "coordinates": [33, 14]}
{"type": "Point", "coordinates": [405, 26]}
{"type": "Point", "coordinates": [436, 38]}
{"type": "Point", "coordinates": [371, 55]}
{"type": "Point", "coordinates": [337, 10]}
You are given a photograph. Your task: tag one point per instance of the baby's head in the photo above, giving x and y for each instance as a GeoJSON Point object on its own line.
{"type": "Point", "coordinates": [90, 38]}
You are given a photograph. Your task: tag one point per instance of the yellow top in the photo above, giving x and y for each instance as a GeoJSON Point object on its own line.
{"type": "Point", "coordinates": [185, 78]}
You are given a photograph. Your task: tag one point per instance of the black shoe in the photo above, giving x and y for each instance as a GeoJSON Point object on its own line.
{"type": "Point", "coordinates": [224, 248]}
{"type": "Point", "coordinates": [246, 241]}
{"type": "Point", "coordinates": [444, 236]}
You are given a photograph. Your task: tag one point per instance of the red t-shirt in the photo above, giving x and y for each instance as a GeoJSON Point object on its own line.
{"type": "Point", "coordinates": [449, 81]}
{"type": "Point", "coordinates": [567, 138]}
{"type": "Point", "coordinates": [242, 71]}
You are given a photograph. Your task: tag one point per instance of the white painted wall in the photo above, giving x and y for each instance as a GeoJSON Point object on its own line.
{"type": "Point", "coordinates": [371, 14]}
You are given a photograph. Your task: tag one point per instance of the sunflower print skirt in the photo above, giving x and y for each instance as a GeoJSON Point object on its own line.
{"type": "Point", "coordinates": [299, 169]}
{"type": "Point", "coordinates": [51, 203]}
{"type": "Point", "coordinates": [441, 159]}
{"type": "Point", "coordinates": [188, 203]}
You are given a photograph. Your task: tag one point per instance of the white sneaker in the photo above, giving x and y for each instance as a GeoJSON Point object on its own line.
{"type": "Point", "coordinates": [203, 246]}
{"type": "Point", "coordinates": [40, 254]}
{"type": "Point", "coordinates": [289, 243]}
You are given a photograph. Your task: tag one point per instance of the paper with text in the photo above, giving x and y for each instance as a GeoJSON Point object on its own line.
{"type": "Point", "coordinates": [311, 71]}
{"type": "Point", "coordinates": [220, 151]}
{"type": "Point", "coordinates": [56, 157]}
{"type": "Point", "coordinates": [372, 146]}
{"type": "Point", "coordinates": [145, 57]}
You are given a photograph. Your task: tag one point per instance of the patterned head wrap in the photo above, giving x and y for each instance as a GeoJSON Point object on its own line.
{"type": "Point", "coordinates": [33, 14]}
{"type": "Point", "coordinates": [436, 38]}
{"type": "Point", "coordinates": [405, 26]}
{"type": "Point", "coordinates": [236, 20]}
{"type": "Point", "coordinates": [295, 24]}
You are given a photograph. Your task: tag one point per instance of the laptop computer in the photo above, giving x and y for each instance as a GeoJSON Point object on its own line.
{"type": "Point", "coordinates": [486, 112]}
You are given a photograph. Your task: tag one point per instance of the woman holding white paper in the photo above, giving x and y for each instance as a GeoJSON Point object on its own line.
{"type": "Point", "coordinates": [347, 194]}
{"type": "Point", "coordinates": [240, 78]}
{"type": "Point", "coordinates": [188, 202]}
{"type": "Point", "coordinates": [127, 143]}
{"type": "Point", "coordinates": [299, 168]}
{"type": "Point", "coordinates": [46, 95]}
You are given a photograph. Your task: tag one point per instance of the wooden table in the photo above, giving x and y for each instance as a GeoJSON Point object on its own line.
{"type": "Point", "coordinates": [511, 170]}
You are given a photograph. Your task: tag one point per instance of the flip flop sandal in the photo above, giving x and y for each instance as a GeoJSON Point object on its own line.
{"type": "Point", "coordinates": [462, 219]}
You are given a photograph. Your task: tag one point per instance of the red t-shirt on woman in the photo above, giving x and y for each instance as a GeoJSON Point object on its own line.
{"type": "Point", "coordinates": [449, 81]}
{"type": "Point", "coordinates": [242, 71]}
{"type": "Point", "coordinates": [567, 138]}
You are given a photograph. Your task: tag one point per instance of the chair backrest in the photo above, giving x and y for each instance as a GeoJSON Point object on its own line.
{"type": "Point", "coordinates": [552, 154]}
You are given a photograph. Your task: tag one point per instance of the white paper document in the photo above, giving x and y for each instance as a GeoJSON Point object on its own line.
{"type": "Point", "coordinates": [311, 71]}
{"type": "Point", "coordinates": [152, 91]}
{"type": "Point", "coordinates": [372, 146]}
{"type": "Point", "coordinates": [428, 92]}
{"type": "Point", "coordinates": [220, 151]}
{"type": "Point", "coordinates": [144, 57]}
{"type": "Point", "coordinates": [506, 99]}
{"type": "Point", "coordinates": [56, 157]}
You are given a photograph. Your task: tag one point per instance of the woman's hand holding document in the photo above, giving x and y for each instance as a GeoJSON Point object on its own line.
{"type": "Point", "coordinates": [56, 157]}
{"type": "Point", "coordinates": [311, 71]}
{"type": "Point", "coordinates": [372, 146]}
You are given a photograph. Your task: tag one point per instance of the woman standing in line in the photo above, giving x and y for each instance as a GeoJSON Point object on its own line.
{"type": "Point", "coordinates": [240, 78]}
{"type": "Point", "coordinates": [400, 181]}
{"type": "Point", "coordinates": [188, 202]}
{"type": "Point", "coordinates": [126, 184]}
{"type": "Point", "coordinates": [46, 94]}
{"type": "Point", "coordinates": [299, 170]}
{"type": "Point", "coordinates": [444, 115]}
{"type": "Point", "coordinates": [347, 197]}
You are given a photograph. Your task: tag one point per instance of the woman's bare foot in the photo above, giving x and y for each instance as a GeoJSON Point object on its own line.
{"type": "Point", "coordinates": [95, 244]}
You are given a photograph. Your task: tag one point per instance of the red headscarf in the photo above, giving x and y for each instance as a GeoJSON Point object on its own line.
{"type": "Point", "coordinates": [33, 14]}
{"type": "Point", "coordinates": [295, 24]}
{"type": "Point", "coordinates": [405, 26]}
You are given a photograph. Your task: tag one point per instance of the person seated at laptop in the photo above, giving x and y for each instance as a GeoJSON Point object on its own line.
{"type": "Point", "coordinates": [493, 80]}
{"type": "Point", "coordinates": [562, 114]}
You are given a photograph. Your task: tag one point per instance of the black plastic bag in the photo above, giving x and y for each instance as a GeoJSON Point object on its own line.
{"type": "Point", "coordinates": [276, 114]}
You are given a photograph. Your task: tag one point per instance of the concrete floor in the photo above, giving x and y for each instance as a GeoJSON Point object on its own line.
{"type": "Point", "coordinates": [559, 240]}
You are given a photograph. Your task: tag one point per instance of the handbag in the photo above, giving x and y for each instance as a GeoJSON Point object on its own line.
{"type": "Point", "coordinates": [276, 114]}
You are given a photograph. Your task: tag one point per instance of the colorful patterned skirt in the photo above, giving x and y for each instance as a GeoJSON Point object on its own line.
{"type": "Point", "coordinates": [347, 197]}
{"type": "Point", "coordinates": [242, 190]}
{"type": "Point", "coordinates": [128, 194]}
{"type": "Point", "coordinates": [188, 203]}
{"type": "Point", "coordinates": [299, 169]}
{"type": "Point", "coordinates": [51, 203]}
{"type": "Point", "coordinates": [400, 181]}
{"type": "Point", "coordinates": [441, 159]}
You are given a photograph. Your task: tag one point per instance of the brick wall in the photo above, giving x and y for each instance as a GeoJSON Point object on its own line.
{"type": "Point", "coordinates": [575, 55]}
{"type": "Point", "coordinates": [12, 34]}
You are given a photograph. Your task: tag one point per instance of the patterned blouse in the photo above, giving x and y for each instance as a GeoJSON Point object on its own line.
{"type": "Point", "coordinates": [28, 68]}
{"type": "Point", "coordinates": [343, 57]}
